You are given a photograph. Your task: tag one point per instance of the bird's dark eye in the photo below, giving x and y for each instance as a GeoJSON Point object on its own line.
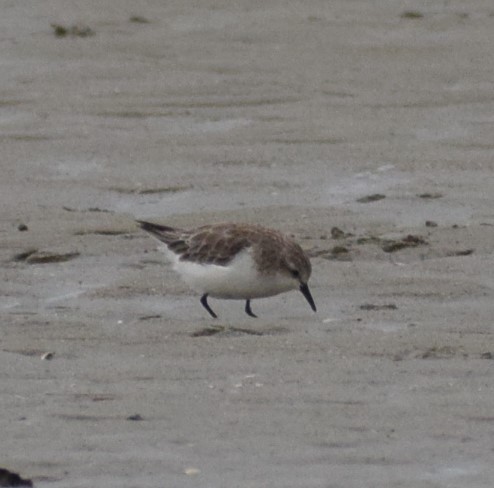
{"type": "Point", "coordinates": [295, 273]}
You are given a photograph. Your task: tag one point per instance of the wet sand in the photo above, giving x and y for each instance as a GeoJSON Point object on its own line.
{"type": "Point", "coordinates": [289, 114]}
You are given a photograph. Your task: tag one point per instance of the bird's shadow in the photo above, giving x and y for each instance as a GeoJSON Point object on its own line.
{"type": "Point", "coordinates": [222, 331]}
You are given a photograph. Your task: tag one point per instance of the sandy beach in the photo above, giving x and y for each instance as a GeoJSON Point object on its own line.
{"type": "Point", "coordinates": [362, 128]}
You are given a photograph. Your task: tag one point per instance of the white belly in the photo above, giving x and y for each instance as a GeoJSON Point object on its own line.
{"type": "Point", "coordinates": [238, 280]}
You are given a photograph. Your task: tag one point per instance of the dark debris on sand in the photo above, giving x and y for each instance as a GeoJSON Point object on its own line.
{"type": "Point", "coordinates": [9, 478]}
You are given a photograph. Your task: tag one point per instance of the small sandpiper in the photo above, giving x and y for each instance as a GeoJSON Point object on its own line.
{"type": "Point", "coordinates": [235, 261]}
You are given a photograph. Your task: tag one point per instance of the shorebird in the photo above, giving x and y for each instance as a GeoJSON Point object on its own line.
{"type": "Point", "coordinates": [235, 261]}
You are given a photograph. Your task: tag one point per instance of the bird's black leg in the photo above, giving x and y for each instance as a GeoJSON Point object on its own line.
{"type": "Point", "coordinates": [248, 310]}
{"type": "Point", "coordinates": [205, 304]}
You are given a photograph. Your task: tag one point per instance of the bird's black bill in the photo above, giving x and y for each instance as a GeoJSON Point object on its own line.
{"type": "Point", "coordinates": [205, 304]}
{"type": "Point", "coordinates": [306, 292]}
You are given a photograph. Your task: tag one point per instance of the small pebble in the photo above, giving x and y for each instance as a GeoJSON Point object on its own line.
{"type": "Point", "coordinates": [337, 233]}
{"type": "Point", "coordinates": [430, 195]}
{"type": "Point", "coordinates": [22, 227]}
{"type": "Point", "coordinates": [137, 19]}
{"type": "Point", "coordinates": [430, 223]}
{"type": "Point", "coordinates": [136, 417]}
{"type": "Point", "coordinates": [339, 250]}
{"type": "Point", "coordinates": [47, 356]}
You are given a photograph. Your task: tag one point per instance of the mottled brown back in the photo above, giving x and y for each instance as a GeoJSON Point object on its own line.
{"type": "Point", "coordinates": [220, 243]}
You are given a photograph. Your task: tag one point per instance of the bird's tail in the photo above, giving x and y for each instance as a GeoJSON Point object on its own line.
{"type": "Point", "coordinates": [162, 232]}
